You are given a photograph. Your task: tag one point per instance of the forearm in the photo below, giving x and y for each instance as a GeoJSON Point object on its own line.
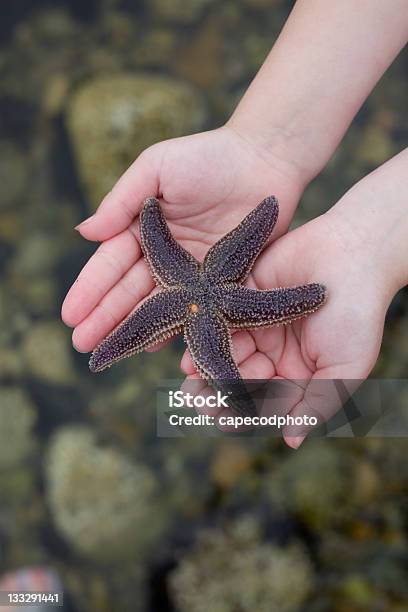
{"type": "Point", "coordinates": [324, 64]}
{"type": "Point", "coordinates": [373, 216]}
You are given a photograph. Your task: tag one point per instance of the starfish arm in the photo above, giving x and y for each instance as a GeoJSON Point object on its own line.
{"type": "Point", "coordinates": [231, 258]}
{"type": "Point", "coordinates": [158, 318]}
{"type": "Point", "coordinates": [209, 342]}
{"type": "Point", "coordinates": [244, 307]}
{"type": "Point", "coordinates": [171, 265]}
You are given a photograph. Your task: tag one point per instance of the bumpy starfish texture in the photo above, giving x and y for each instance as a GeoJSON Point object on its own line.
{"type": "Point", "coordinates": [206, 299]}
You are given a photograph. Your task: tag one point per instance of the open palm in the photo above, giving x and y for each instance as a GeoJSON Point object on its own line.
{"type": "Point", "coordinates": [207, 183]}
{"type": "Point", "coordinates": [339, 341]}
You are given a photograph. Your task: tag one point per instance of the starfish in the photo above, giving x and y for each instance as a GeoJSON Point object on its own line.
{"type": "Point", "coordinates": [206, 299]}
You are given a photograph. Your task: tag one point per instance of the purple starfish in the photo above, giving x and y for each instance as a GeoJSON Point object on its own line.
{"type": "Point", "coordinates": [205, 299]}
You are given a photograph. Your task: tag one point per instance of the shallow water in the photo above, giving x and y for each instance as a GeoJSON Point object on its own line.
{"type": "Point", "coordinates": [86, 487]}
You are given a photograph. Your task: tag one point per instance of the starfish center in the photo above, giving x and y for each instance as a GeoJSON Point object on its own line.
{"type": "Point", "coordinates": [194, 307]}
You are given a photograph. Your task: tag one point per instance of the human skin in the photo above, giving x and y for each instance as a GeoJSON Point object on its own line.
{"type": "Point", "coordinates": [360, 249]}
{"type": "Point", "coordinates": [323, 66]}
{"type": "Point", "coordinates": [321, 69]}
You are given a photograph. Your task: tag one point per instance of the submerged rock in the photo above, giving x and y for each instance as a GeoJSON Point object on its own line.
{"type": "Point", "coordinates": [113, 119]}
{"type": "Point", "coordinates": [229, 462]}
{"type": "Point", "coordinates": [103, 504]}
{"type": "Point", "coordinates": [234, 569]}
{"type": "Point", "coordinates": [155, 47]}
{"type": "Point", "coordinates": [180, 11]}
{"type": "Point", "coordinates": [37, 255]}
{"type": "Point", "coordinates": [13, 174]}
{"type": "Point", "coordinates": [47, 353]}
{"type": "Point", "coordinates": [376, 145]}
{"type": "Point", "coordinates": [263, 4]}
{"type": "Point", "coordinates": [208, 42]}
{"type": "Point", "coordinates": [11, 365]}
{"type": "Point", "coordinates": [14, 320]}
{"type": "Point", "coordinates": [311, 484]}
{"type": "Point", "coordinates": [39, 295]}
{"type": "Point", "coordinates": [17, 418]}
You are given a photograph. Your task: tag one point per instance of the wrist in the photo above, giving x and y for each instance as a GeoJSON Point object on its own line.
{"type": "Point", "coordinates": [278, 146]}
{"type": "Point", "coordinates": [374, 223]}
{"type": "Point", "coordinates": [370, 267]}
{"type": "Point", "coordinates": [320, 70]}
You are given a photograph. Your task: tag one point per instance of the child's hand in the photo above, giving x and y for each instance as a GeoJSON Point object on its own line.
{"type": "Point", "coordinates": [359, 251]}
{"type": "Point", "coordinates": [208, 182]}
{"type": "Point", "coordinates": [339, 341]}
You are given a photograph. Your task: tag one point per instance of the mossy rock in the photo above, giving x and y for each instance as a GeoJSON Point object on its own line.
{"type": "Point", "coordinates": [47, 353]}
{"type": "Point", "coordinates": [111, 120]}
{"type": "Point", "coordinates": [235, 569]}
{"type": "Point", "coordinates": [13, 174]}
{"type": "Point", "coordinates": [311, 484]}
{"type": "Point", "coordinates": [180, 11]}
{"type": "Point", "coordinates": [103, 504]}
{"type": "Point", "coordinates": [17, 418]}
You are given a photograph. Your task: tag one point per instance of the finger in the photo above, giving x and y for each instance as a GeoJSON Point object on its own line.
{"type": "Point", "coordinates": [121, 205]}
{"type": "Point", "coordinates": [104, 269]}
{"type": "Point", "coordinates": [228, 421]}
{"type": "Point", "coordinates": [158, 346]}
{"type": "Point", "coordinates": [193, 384]}
{"type": "Point", "coordinates": [324, 396]}
{"type": "Point", "coordinates": [117, 304]}
{"type": "Point", "coordinates": [278, 404]}
{"type": "Point", "coordinates": [197, 387]}
{"type": "Point", "coordinates": [281, 395]}
{"type": "Point", "coordinates": [282, 347]}
{"type": "Point", "coordinates": [186, 364]}
{"type": "Point", "coordinates": [265, 408]}
{"type": "Point", "coordinates": [243, 346]}
{"type": "Point", "coordinates": [253, 365]}
{"type": "Point", "coordinates": [257, 366]}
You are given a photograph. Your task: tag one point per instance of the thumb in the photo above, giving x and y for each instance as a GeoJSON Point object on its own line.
{"type": "Point", "coordinates": [324, 395]}
{"type": "Point", "coordinates": [274, 267]}
{"type": "Point", "coordinates": [123, 203]}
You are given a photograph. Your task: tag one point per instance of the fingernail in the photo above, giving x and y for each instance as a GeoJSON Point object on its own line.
{"type": "Point", "coordinates": [85, 222]}
{"type": "Point", "coordinates": [296, 442]}
{"type": "Point", "coordinates": [78, 351]}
